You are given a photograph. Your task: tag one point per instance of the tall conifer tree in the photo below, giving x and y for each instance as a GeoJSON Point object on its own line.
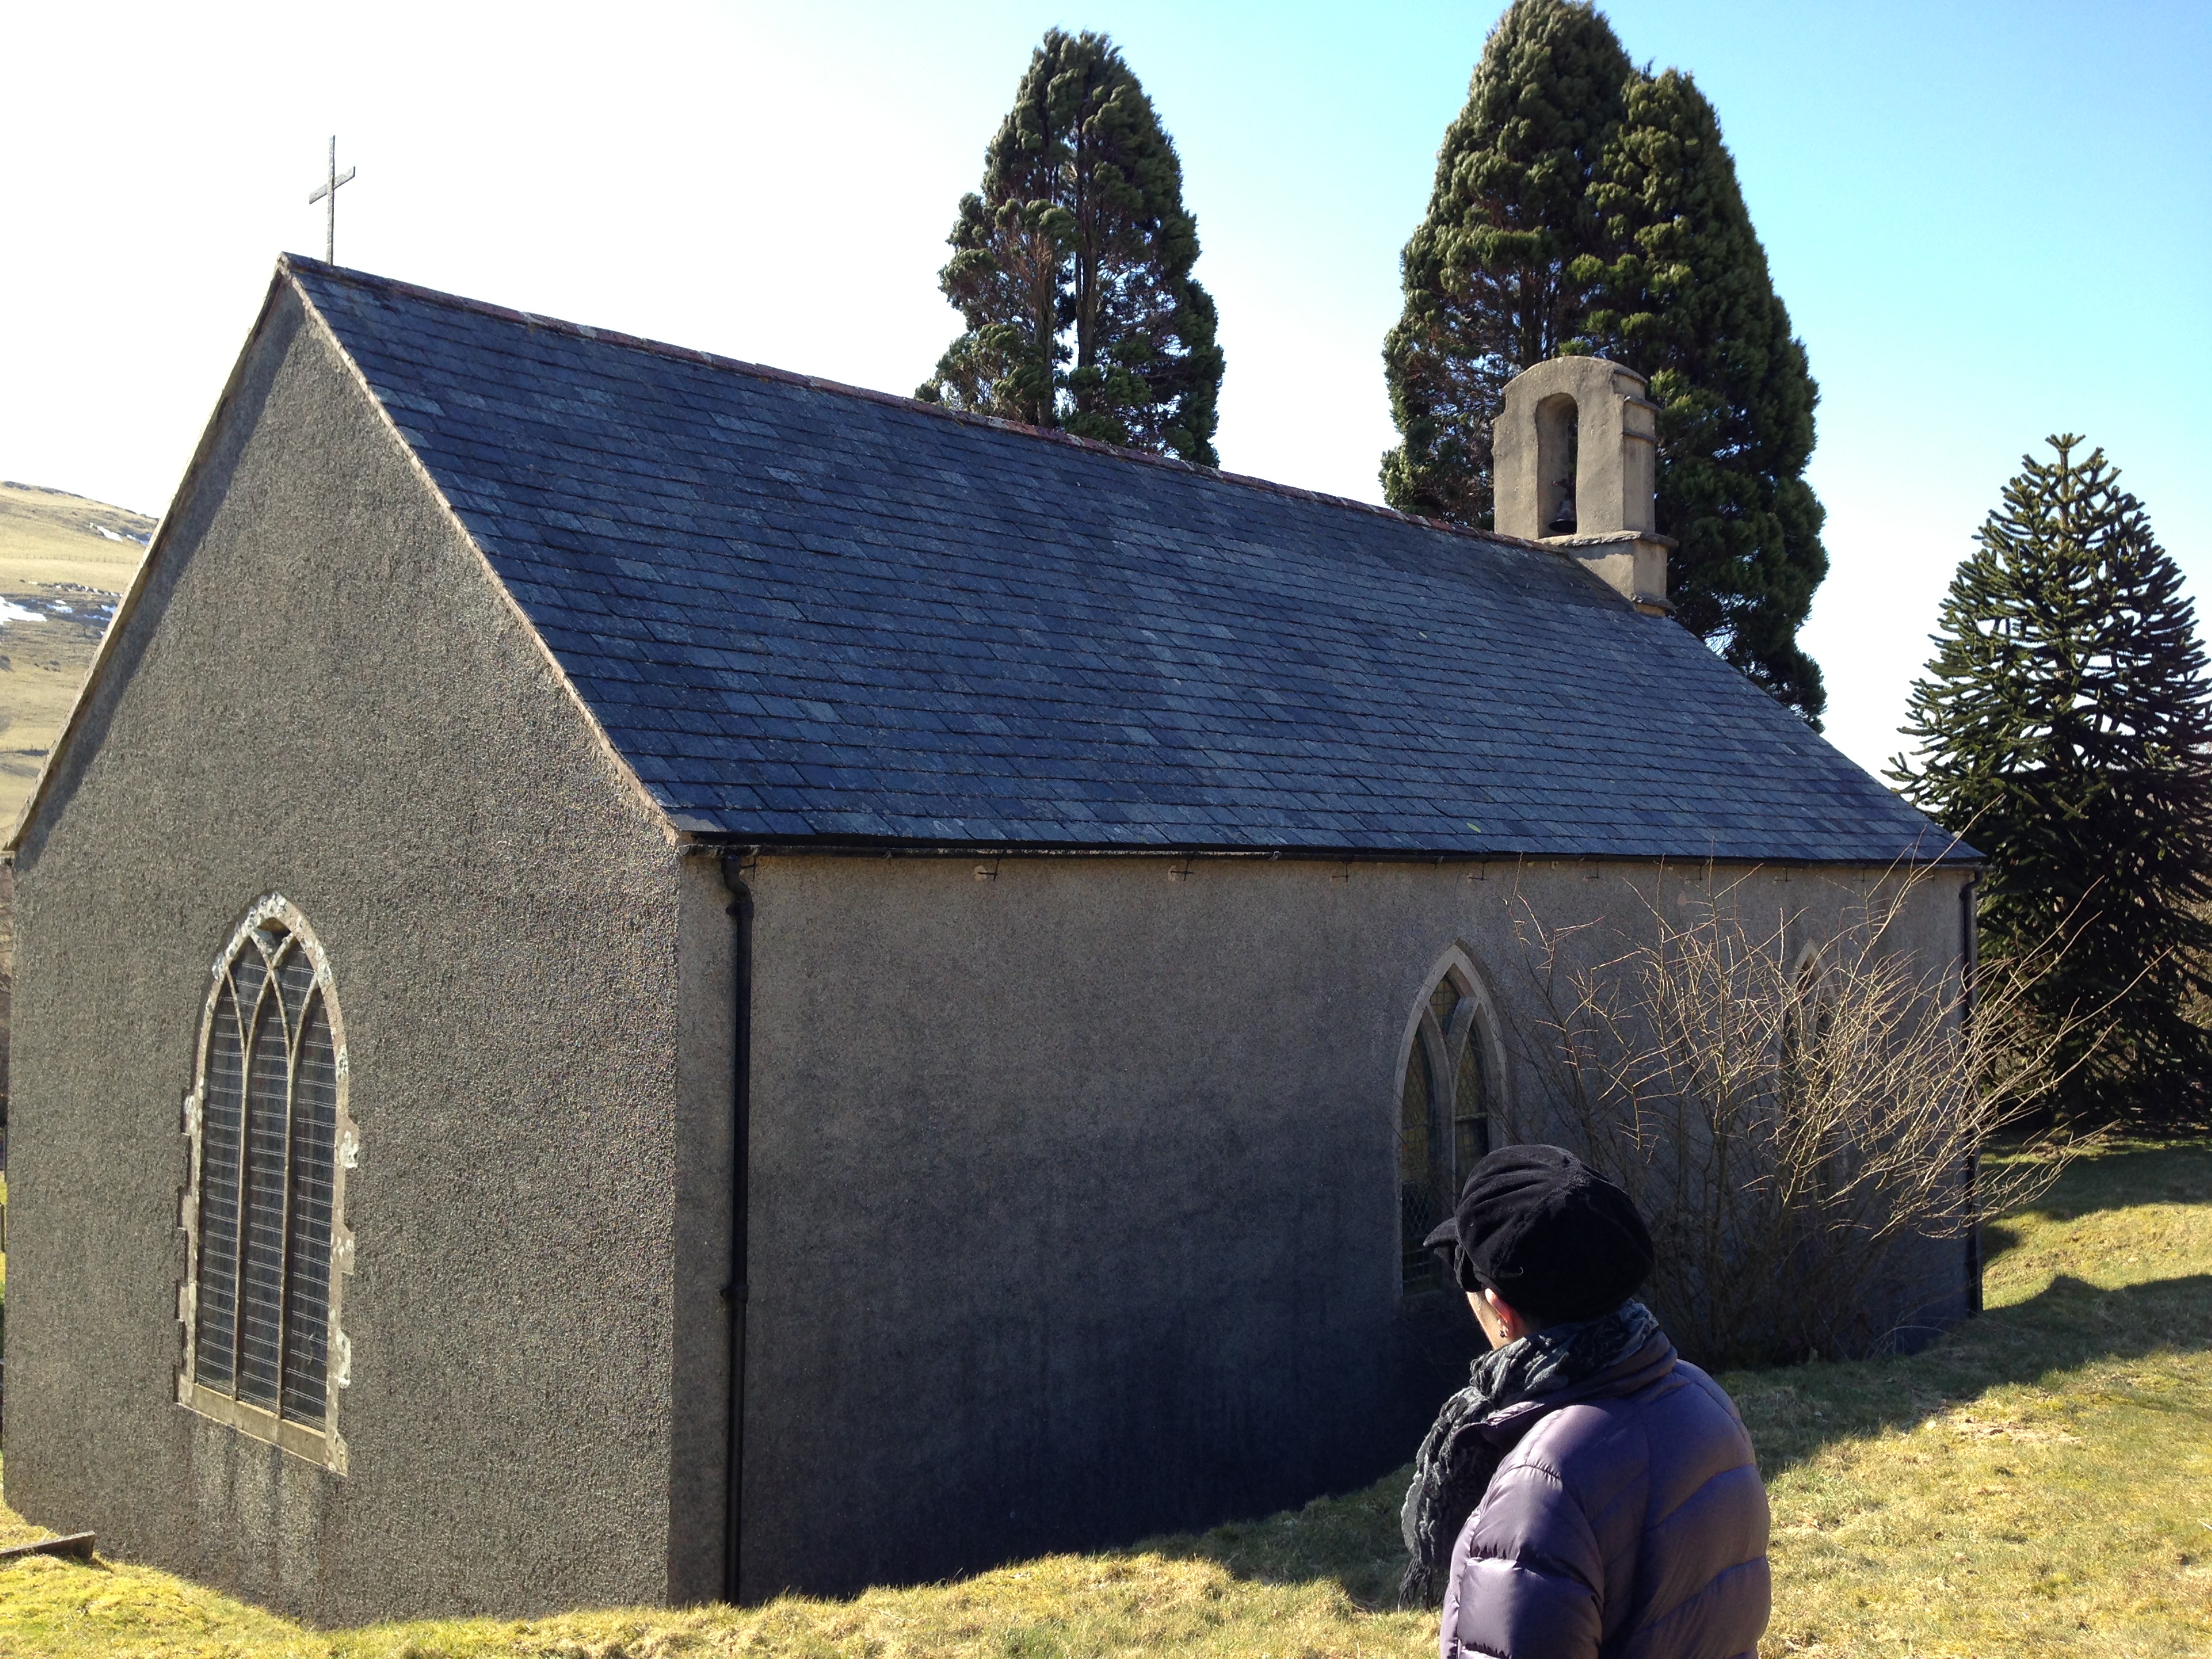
{"type": "Point", "coordinates": [1071, 267]}
{"type": "Point", "coordinates": [1687, 302]}
{"type": "Point", "coordinates": [1489, 274]}
{"type": "Point", "coordinates": [1582, 205]}
{"type": "Point", "coordinates": [2065, 728]}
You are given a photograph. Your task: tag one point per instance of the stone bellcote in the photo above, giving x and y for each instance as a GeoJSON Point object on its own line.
{"type": "Point", "coordinates": [1575, 452]}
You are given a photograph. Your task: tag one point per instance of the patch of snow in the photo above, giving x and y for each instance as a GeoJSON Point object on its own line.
{"type": "Point", "coordinates": [121, 536]}
{"type": "Point", "coordinates": [11, 611]}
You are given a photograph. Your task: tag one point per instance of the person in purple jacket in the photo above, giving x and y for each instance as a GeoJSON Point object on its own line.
{"type": "Point", "coordinates": [1588, 1493]}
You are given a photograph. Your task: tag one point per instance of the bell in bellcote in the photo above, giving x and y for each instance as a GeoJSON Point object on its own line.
{"type": "Point", "coordinates": [1562, 521]}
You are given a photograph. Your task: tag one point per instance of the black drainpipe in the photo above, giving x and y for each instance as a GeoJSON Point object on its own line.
{"type": "Point", "coordinates": [1970, 940]}
{"type": "Point", "coordinates": [740, 912]}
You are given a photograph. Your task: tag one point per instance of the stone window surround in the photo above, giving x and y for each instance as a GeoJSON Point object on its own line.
{"type": "Point", "coordinates": [1475, 1021]}
{"type": "Point", "coordinates": [322, 1445]}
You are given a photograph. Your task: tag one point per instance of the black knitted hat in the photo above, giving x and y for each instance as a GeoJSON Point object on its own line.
{"type": "Point", "coordinates": [1554, 1238]}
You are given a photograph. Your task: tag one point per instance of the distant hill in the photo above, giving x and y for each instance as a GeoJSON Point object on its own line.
{"type": "Point", "coordinates": [64, 561]}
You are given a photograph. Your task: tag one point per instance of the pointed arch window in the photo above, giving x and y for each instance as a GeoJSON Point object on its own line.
{"type": "Point", "coordinates": [264, 1206]}
{"type": "Point", "coordinates": [1444, 1119]}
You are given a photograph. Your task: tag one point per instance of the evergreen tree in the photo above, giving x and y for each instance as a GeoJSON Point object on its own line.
{"type": "Point", "coordinates": [1687, 301]}
{"type": "Point", "coordinates": [1582, 205]}
{"type": "Point", "coordinates": [1489, 274]}
{"type": "Point", "coordinates": [1071, 267]}
{"type": "Point", "coordinates": [2065, 728]}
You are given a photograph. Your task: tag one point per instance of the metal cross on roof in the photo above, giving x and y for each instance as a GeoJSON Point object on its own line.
{"type": "Point", "coordinates": [327, 191]}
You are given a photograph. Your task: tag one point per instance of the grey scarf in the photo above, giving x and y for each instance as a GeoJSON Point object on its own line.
{"type": "Point", "coordinates": [1452, 1470]}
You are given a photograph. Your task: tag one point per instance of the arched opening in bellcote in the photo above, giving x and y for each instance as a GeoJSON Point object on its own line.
{"type": "Point", "coordinates": [1559, 454]}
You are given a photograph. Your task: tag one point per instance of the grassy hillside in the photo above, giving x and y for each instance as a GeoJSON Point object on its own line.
{"type": "Point", "coordinates": [2036, 1483]}
{"type": "Point", "coordinates": [64, 561]}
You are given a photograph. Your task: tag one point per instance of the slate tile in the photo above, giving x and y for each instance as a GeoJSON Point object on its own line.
{"type": "Point", "coordinates": [744, 577]}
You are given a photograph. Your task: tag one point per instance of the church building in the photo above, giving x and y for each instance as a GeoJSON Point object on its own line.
{"type": "Point", "coordinates": [642, 979]}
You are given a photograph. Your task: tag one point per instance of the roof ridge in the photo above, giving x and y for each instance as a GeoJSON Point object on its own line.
{"type": "Point", "coordinates": [290, 263]}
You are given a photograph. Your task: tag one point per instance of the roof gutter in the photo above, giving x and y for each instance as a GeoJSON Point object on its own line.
{"type": "Point", "coordinates": [696, 842]}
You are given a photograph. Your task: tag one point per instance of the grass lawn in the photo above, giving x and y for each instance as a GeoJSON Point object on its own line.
{"type": "Point", "coordinates": [2040, 1483]}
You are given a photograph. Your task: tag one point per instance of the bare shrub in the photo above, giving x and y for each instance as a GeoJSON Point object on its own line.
{"type": "Point", "coordinates": [1793, 1130]}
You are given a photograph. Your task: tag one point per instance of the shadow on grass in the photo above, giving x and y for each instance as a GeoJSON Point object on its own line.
{"type": "Point", "coordinates": [1794, 1412]}
{"type": "Point", "coordinates": [1351, 1540]}
{"type": "Point", "coordinates": [2139, 1172]}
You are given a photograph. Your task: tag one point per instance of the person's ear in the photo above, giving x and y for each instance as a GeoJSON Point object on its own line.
{"type": "Point", "coordinates": [1515, 1328]}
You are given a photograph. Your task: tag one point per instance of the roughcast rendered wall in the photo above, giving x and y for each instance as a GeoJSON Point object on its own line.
{"type": "Point", "coordinates": [1075, 1209]}
{"type": "Point", "coordinates": [323, 694]}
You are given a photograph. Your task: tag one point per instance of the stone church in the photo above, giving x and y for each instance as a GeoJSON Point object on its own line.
{"type": "Point", "coordinates": [646, 979]}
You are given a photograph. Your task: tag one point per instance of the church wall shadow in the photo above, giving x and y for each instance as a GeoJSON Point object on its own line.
{"type": "Point", "coordinates": [2169, 1173]}
{"type": "Point", "coordinates": [2068, 1324]}
{"type": "Point", "coordinates": [1795, 1411]}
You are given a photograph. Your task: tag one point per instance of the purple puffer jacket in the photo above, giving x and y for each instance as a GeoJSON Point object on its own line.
{"type": "Point", "coordinates": [1626, 1522]}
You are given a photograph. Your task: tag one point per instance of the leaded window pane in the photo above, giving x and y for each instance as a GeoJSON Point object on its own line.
{"type": "Point", "coordinates": [261, 1253]}
{"type": "Point", "coordinates": [307, 1246]}
{"type": "Point", "coordinates": [1470, 1114]}
{"type": "Point", "coordinates": [1443, 1003]}
{"type": "Point", "coordinates": [1418, 1214]}
{"type": "Point", "coordinates": [295, 975]}
{"type": "Point", "coordinates": [270, 1117]}
{"type": "Point", "coordinates": [222, 1117]}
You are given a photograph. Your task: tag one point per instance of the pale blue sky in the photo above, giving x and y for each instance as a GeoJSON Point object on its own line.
{"type": "Point", "coordinates": [1988, 222]}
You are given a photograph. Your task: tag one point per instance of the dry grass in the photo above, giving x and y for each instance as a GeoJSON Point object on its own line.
{"type": "Point", "coordinates": [1141, 1602]}
{"type": "Point", "coordinates": [2040, 1483]}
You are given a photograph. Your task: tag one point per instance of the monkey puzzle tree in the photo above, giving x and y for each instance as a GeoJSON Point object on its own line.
{"type": "Point", "coordinates": [1583, 206]}
{"type": "Point", "coordinates": [2065, 727]}
{"type": "Point", "coordinates": [1071, 267]}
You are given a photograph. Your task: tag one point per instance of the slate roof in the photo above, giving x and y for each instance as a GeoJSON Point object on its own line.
{"type": "Point", "coordinates": [802, 611]}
